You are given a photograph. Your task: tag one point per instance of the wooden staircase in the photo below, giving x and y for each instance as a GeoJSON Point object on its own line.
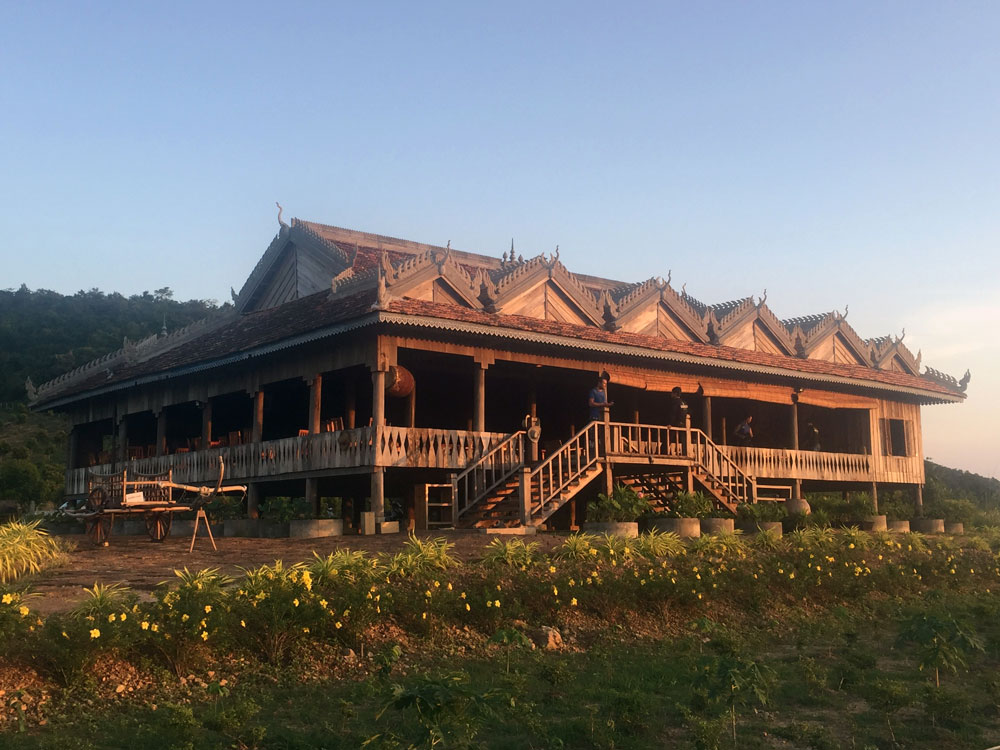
{"type": "Point", "coordinates": [501, 491]}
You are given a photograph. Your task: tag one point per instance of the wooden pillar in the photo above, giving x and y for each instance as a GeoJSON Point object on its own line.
{"type": "Point", "coordinates": [920, 499]}
{"type": "Point", "coordinates": [315, 403]}
{"type": "Point", "coordinates": [73, 448]}
{"type": "Point", "coordinates": [875, 497]}
{"type": "Point", "coordinates": [122, 448]}
{"type": "Point", "coordinates": [411, 408]}
{"type": "Point", "coordinates": [635, 415]}
{"type": "Point", "coordinates": [161, 432]}
{"type": "Point", "coordinates": [378, 495]}
{"type": "Point", "coordinates": [253, 500]}
{"type": "Point", "coordinates": [206, 425]}
{"type": "Point", "coordinates": [707, 415]}
{"type": "Point", "coordinates": [609, 479]}
{"type": "Point", "coordinates": [479, 398]}
{"type": "Point", "coordinates": [725, 435]}
{"type": "Point", "coordinates": [533, 412]}
{"type": "Point", "coordinates": [378, 398]}
{"type": "Point", "coordinates": [795, 422]}
{"type": "Point", "coordinates": [525, 496]}
{"type": "Point", "coordinates": [257, 434]}
{"type": "Point", "coordinates": [350, 403]}
{"type": "Point", "coordinates": [312, 495]}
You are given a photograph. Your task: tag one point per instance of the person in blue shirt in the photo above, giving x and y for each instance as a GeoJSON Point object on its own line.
{"type": "Point", "coordinates": [599, 399]}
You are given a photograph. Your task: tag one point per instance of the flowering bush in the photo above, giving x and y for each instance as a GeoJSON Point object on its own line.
{"type": "Point", "coordinates": [16, 619]}
{"type": "Point", "coordinates": [275, 609]}
{"type": "Point", "coordinates": [182, 619]}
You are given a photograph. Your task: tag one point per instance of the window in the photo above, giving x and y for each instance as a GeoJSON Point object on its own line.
{"type": "Point", "coordinates": [897, 437]}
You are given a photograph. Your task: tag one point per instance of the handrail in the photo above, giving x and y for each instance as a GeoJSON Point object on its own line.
{"type": "Point", "coordinates": [495, 467]}
{"type": "Point", "coordinates": [720, 467]}
{"type": "Point", "coordinates": [547, 480]}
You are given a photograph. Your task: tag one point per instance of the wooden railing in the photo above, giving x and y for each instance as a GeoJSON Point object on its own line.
{"type": "Point", "coordinates": [429, 448]}
{"type": "Point", "coordinates": [778, 463]}
{"type": "Point", "coordinates": [709, 459]}
{"type": "Point", "coordinates": [556, 474]}
{"type": "Point", "coordinates": [343, 449]}
{"type": "Point", "coordinates": [491, 471]}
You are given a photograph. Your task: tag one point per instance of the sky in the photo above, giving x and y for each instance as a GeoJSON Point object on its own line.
{"type": "Point", "coordinates": [838, 155]}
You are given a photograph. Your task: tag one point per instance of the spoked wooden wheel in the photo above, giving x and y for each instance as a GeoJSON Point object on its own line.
{"type": "Point", "coordinates": [99, 529]}
{"type": "Point", "coordinates": [96, 499]}
{"type": "Point", "coordinates": [158, 525]}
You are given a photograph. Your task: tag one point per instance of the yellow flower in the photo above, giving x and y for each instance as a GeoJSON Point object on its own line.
{"type": "Point", "coordinates": [572, 602]}
{"type": "Point", "coordinates": [423, 616]}
{"type": "Point", "coordinates": [95, 633]}
{"type": "Point", "coordinates": [66, 636]}
{"type": "Point", "coordinates": [124, 617]}
{"type": "Point", "coordinates": [7, 598]}
{"type": "Point", "coordinates": [111, 618]}
{"type": "Point", "coordinates": [496, 603]}
{"type": "Point", "coordinates": [489, 603]}
{"type": "Point", "coordinates": [204, 635]}
{"type": "Point", "coordinates": [555, 591]}
{"type": "Point", "coordinates": [185, 617]}
{"type": "Point", "coordinates": [154, 627]}
{"type": "Point", "coordinates": [337, 625]}
{"type": "Point", "coordinates": [462, 595]}
{"type": "Point", "coordinates": [23, 610]}
{"type": "Point", "coordinates": [449, 586]}
{"type": "Point", "coordinates": [144, 625]}
{"type": "Point", "coordinates": [208, 608]}
{"type": "Point", "coordinates": [552, 568]}
{"type": "Point", "coordinates": [437, 584]}
{"type": "Point", "coordinates": [322, 603]}
{"type": "Point", "coordinates": [305, 630]}
{"type": "Point", "coordinates": [467, 607]}
{"type": "Point", "coordinates": [295, 602]}
{"type": "Point", "coordinates": [243, 623]}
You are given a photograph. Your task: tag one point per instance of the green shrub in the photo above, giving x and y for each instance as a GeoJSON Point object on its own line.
{"type": "Point", "coordinates": [514, 553]}
{"type": "Point", "coordinates": [761, 512]}
{"type": "Point", "coordinates": [577, 547]}
{"type": "Point", "coordinates": [691, 505]}
{"type": "Point", "coordinates": [624, 505]}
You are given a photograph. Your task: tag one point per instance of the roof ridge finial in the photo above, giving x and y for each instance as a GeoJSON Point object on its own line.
{"type": "Point", "coordinates": [281, 222]}
{"type": "Point", "coordinates": [670, 274]}
{"type": "Point", "coordinates": [763, 299]}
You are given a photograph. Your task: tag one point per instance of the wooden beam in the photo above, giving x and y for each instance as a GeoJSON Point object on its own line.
{"type": "Point", "coordinates": [257, 425]}
{"type": "Point", "coordinates": [315, 403]}
{"type": "Point", "coordinates": [479, 398]}
{"type": "Point", "coordinates": [206, 424]}
{"type": "Point", "coordinates": [161, 432]}
{"type": "Point", "coordinates": [707, 415]}
{"type": "Point", "coordinates": [378, 494]}
{"type": "Point", "coordinates": [350, 403]}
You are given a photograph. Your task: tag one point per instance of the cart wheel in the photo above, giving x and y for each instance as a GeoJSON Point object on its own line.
{"type": "Point", "coordinates": [158, 525]}
{"type": "Point", "coordinates": [96, 498]}
{"type": "Point", "coordinates": [99, 529]}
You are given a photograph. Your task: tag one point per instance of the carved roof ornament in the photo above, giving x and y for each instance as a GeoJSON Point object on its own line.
{"type": "Point", "coordinates": [30, 389]}
{"type": "Point", "coordinates": [235, 297]}
{"type": "Point", "coordinates": [964, 382]}
{"type": "Point", "coordinates": [281, 222]}
{"type": "Point", "coordinates": [382, 296]}
{"type": "Point", "coordinates": [487, 291]}
{"type": "Point", "coordinates": [763, 299]}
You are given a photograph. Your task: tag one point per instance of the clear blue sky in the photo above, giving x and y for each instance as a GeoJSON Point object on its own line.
{"type": "Point", "coordinates": [841, 153]}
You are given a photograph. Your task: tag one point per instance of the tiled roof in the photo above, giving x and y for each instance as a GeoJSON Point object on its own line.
{"type": "Point", "coordinates": [805, 322]}
{"type": "Point", "coordinates": [243, 334]}
{"type": "Point", "coordinates": [286, 323]}
{"type": "Point", "coordinates": [722, 354]}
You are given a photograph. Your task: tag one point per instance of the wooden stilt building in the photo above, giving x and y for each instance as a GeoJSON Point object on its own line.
{"type": "Point", "coordinates": [366, 367]}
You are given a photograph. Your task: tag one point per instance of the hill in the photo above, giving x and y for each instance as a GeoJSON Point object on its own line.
{"type": "Point", "coordinates": [44, 334]}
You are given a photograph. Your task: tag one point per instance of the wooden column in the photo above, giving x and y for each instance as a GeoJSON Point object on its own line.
{"type": "Point", "coordinates": [378, 398]}
{"type": "Point", "coordinates": [315, 403]}
{"type": "Point", "coordinates": [257, 433]}
{"type": "Point", "coordinates": [122, 448]}
{"type": "Point", "coordinates": [206, 425]}
{"type": "Point", "coordinates": [411, 408]}
{"type": "Point", "coordinates": [350, 404]}
{"type": "Point", "coordinates": [479, 398]}
{"type": "Point", "coordinates": [378, 422]}
{"type": "Point", "coordinates": [73, 448]}
{"type": "Point", "coordinates": [797, 486]}
{"type": "Point", "coordinates": [533, 412]}
{"type": "Point", "coordinates": [875, 497]}
{"type": "Point", "coordinates": [707, 415]}
{"type": "Point", "coordinates": [609, 479]}
{"type": "Point", "coordinates": [312, 495]}
{"type": "Point", "coordinates": [161, 432]}
{"type": "Point", "coordinates": [920, 499]}
{"type": "Point", "coordinates": [253, 500]}
{"type": "Point", "coordinates": [378, 495]}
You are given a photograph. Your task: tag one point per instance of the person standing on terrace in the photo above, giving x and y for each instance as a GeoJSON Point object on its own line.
{"type": "Point", "coordinates": [598, 399]}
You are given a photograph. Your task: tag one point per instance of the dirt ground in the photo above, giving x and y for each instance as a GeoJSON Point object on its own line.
{"type": "Point", "coordinates": [141, 564]}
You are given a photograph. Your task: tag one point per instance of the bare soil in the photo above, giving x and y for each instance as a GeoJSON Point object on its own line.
{"type": "Point", "coordinates": [141, 564]}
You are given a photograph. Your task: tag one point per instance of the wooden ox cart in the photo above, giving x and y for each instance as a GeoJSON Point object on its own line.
{"type": "Point", "coordinates": [151, 496]}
